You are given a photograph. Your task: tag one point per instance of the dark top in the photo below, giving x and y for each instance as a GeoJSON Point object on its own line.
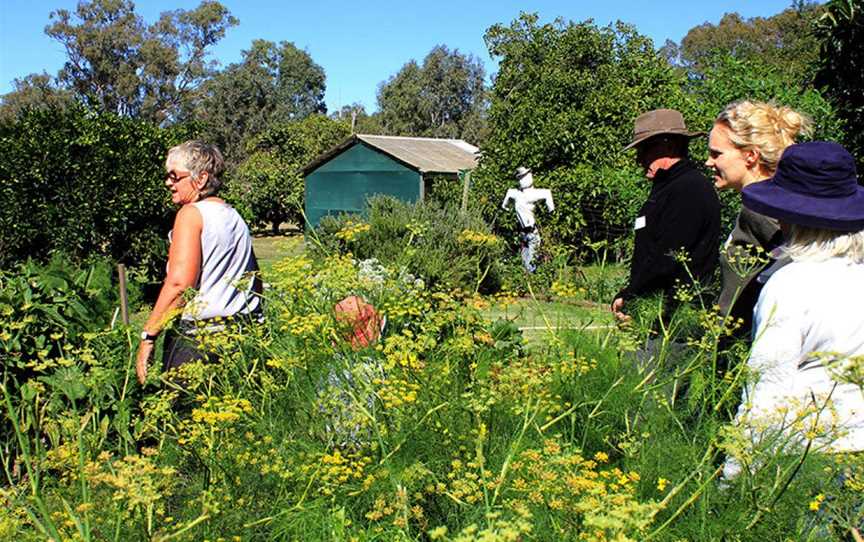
{"type": "Point", "coordinates": [740, 287]}
{"type": "Point", "coordinates": [682, 212]}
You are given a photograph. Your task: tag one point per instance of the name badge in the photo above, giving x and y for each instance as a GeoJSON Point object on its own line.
{"type": "Point", "coordinates": [640, 223]}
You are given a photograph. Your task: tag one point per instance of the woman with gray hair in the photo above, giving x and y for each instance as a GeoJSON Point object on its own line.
{"type": "Point", "coordinates": [211, 251]}
{"type": "Point", "coordinates": [809, 319]}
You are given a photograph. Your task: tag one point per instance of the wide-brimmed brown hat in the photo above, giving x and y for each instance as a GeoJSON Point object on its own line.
{"type": "Point", "coordinates": [659, 122]}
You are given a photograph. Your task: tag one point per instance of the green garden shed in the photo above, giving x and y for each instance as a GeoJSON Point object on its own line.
{"type": "Point", "coordinates": [342, 179]}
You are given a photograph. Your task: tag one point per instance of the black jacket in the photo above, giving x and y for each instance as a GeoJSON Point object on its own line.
{"type": "Point", "coordinates": [682, 212]}
{"type": "Point", "coordinates": [740, 285]}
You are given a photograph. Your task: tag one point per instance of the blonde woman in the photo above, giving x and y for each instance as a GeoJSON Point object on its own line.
{"type": "Point", "coordinates": [744, 147]}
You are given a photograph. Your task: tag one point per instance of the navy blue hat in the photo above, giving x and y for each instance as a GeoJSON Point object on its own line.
{"type": "Point", "coordinates": [815, 185]}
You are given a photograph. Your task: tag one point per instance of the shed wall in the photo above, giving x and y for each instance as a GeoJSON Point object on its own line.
{"type": "Point", "coordinates": [345, 182]}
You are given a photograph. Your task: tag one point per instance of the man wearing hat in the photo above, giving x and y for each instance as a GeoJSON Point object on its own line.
{"type": "Point", "coordinates": [682, 212]}
{"type": "Point", "coordinates": [523, 200]}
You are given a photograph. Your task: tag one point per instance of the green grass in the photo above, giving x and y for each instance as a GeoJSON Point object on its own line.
{"type": "Point", "coordinates": [272, 248]}
{"type": "Point", "coordinates": [536, 318]}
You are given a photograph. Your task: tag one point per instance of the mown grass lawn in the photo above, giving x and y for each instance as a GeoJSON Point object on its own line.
{"type": "Point", "coordinates": [536, 318]}
{"type": "Point", "coordinates": [272, 248]}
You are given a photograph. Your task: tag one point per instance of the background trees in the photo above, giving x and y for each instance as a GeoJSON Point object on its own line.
{"type": "Point", "coordinates": [118, 63]}
{"type": "Point", "coordinates": [267, 187]}
{"type": "Point", "coordinates": [442, 97]}
{"type": "Point", "coordinates": [37, 90]}
{"type": "Point", "coordinates": [272, 84]}
{"type": "Point", "coordinates": [360, 121]}
{"type": "Point", "coordinates": [785, 41]}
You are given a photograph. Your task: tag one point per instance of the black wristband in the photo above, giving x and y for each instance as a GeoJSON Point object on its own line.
{"type": "Point", "coordinates": [148, 337]}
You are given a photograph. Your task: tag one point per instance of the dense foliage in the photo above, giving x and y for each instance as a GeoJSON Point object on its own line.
{"type": "Point", "coordinates": [438, 245]}
{"type": "Point", "coordinates": [272, 85]}
{"type": "Point", "coordinates": [841, 69]}
{"type": "Point", "coordinates": [785, 41]}
{"type": "Point", "coordinates": [116, 62]}
{"type": "Point", "coordinates": [40, 303]}
{"type": "Point", "coordinates": [84, 183]}
{"type": "Point", "coordinates": [267, 187]}
{"type": "Point", "coordinates": [442, 97]}
{"type": "Point", "coordinates": [34, 91]}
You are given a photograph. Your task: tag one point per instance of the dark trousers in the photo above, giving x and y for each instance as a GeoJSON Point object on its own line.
{"type": "Point", "coordinates": [181, 345]}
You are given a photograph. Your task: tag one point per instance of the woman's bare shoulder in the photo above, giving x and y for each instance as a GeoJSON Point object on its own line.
{"type": "Point", "coordinates": [188, 216]}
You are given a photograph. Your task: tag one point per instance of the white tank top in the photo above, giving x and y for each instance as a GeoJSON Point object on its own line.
{"type": "Point", "coordinates": [225, 284]}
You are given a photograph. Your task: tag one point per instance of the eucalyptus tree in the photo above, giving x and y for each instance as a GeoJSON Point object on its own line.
{"type": "Point", "coordinates": [442, 97]}
{"type": "Point", "coordinates": [34, 91]}
{"type": "Point", "coordinates": [786, 41]}
{"type": "Point", "coordinates": [118, 63]}
{"type": "Point", "coordinates": [272, 84]}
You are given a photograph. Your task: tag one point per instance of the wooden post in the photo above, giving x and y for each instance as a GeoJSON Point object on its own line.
{"type": "Point", "coordinates": [466, 181]}
{"type": "Point", "coordinates": [124, 300]}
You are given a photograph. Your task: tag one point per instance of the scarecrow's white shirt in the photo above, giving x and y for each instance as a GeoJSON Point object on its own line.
{"type": "Point", "coordinates": [524, 200]}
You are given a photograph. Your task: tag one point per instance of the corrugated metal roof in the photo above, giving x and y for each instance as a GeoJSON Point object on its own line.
{"type": "Point", "coordinates": [427, 155]}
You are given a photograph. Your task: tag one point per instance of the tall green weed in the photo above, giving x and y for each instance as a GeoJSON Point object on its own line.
{"type": "Point", "coordinates": [448, 427]}
{"type": "Point", "coordinates": [44, 306]}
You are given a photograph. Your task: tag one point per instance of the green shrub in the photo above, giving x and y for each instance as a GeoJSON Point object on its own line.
{"type": "Point", "coordinates": [444, 247]}
{"type": "Point", "coordinates": [43, 307]}
{"type": "Point", "coordinates": [444, 190]}
{"type": "Point", "coordinates": [84, 183]}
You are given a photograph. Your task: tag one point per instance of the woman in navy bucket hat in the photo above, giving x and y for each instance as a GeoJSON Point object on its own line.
{"type": "Point", "coordinates": [815, 185]}
{"type": "Point", "coordinates": [809, 320]}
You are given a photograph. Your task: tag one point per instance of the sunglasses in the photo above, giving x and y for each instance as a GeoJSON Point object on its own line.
{"type": "Point", "coordinates": [174, 178]}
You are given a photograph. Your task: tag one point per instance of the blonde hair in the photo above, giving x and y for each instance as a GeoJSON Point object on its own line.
{"type": "Point", "coordinates": [199, 157]}
{"type": "Point", "coordinates": [804, 243]}
{"type": "Point", "coordinates": [765, 127]}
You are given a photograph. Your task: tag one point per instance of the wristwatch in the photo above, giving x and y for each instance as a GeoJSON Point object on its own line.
{"type": "Point", "coordinates": [148, 337]}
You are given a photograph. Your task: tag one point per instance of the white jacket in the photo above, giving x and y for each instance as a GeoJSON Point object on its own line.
{"type": "Point", "coordinates": [807, 307]}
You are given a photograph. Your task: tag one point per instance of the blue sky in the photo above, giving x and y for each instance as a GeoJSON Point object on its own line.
{"type": "Point", "coordinates": [360, 44]}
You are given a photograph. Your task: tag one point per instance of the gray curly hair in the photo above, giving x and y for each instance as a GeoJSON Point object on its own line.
{"type": "Point", "coordinates": [198, 157]}
{"type": "Point", "coordinates": [815, 244]}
